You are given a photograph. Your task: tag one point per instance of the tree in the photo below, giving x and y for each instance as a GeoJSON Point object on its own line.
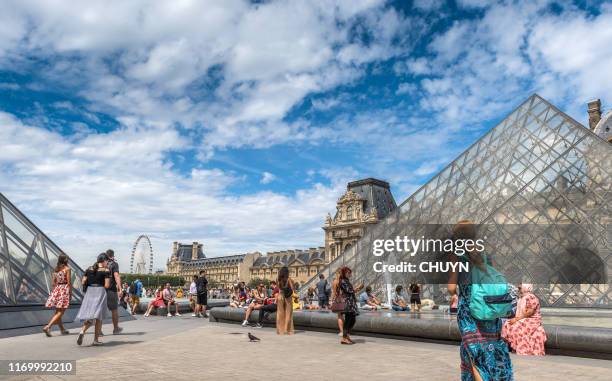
{"type": "Point", "coordinates": [154, 280]}
{"type": "Point", "coordinates": [257, 281]}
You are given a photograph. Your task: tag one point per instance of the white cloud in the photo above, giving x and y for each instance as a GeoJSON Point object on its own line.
{"type": "Point", "coordinates": [406, 88]}
{"type": "Point", "coordinates": [105, 190]}
{"type": "Point", "coordinates": [139, 61]}
{"type": "Point", "coordinates": [481, 68]}
{"type": "Point", "coordinates": [267, 178]}
{"type": "Point", "coordinates": [576, 49]}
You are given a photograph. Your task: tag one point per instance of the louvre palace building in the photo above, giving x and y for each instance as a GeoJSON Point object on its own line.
{"type": "Point", "coordinates": [364, 203]}
{"type": "Point", "coordinates": [538, 171]}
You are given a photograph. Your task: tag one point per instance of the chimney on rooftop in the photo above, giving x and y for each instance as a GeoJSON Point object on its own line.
{"type": "Point", "coordinates": [174, 248]}
{"type": "Point", "coordinates": [194, 251]}
{"type": "Point", "coordinates": [594, 109]}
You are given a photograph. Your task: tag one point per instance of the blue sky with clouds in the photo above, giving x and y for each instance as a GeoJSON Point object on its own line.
{"type": "Point", "coordinates": [238, 123]}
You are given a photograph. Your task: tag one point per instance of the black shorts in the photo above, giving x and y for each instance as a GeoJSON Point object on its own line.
{"type": "Point", "coordinates": [112, 300]}
{"type": "Point", "coordinates": [203, 299]}
{"type": "Point", "coordinates": [416, 299]}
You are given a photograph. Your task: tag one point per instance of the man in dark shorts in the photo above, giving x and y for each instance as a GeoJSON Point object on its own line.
{"type": "Point", "coordinates": [202, 298]}
{"type": "Point", "coordinates": [415, 296]}
{"type": "Point", "coordinates": [114, 291]}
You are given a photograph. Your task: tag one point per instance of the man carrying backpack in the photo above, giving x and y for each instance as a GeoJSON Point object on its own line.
{"type": "Point", "coordinates": [135, 291]}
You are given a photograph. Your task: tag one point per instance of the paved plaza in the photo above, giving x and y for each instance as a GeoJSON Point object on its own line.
{"type": "Point", "coordinates": [189, 348]}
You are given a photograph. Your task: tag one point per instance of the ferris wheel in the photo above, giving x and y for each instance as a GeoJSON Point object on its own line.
{"type": "Point", "coordinates": [141, 250]}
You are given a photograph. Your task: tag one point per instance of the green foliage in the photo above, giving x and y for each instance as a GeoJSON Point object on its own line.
{"type": "Point", "coordinates": [253, 283]}
{"type": "Point", "coordinates": [154, 280]}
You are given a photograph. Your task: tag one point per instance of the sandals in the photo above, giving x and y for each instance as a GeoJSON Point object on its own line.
{"type": "Point", "coordinates": [46, 331]}
{"type": "Point", "coordinates": [97, 343]}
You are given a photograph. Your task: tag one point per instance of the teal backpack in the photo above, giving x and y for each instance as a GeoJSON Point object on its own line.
{"type": "Point", "coordinates": [490, 298]}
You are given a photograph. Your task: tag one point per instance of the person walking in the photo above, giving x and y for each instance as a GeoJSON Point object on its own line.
{"type": "Point", "coordinates": [202, 299]}
{"type": "Point", "coordinates": [323, 291]}
{"type": "Point", "coordinates": [114, 291]}
{"type": "Point", "coordinates": [347, 293]}
{"type": "Point", "coordinates": [135, 291]}
{"type": "Point", "coordinates": [60, 296]}
{"type": "Point", "coordinates": [284, 308]}
{"type": "Point", "coordinates": [94, 306]}
{"type": "Point", "coordinates": [484, 355]}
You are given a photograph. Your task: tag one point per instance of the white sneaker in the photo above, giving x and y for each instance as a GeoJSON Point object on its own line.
{"type": "Point", "coordinates": [193, 315]}
{"type": "Point", "coordinates": [245, 323]}
{"type": "Point", "coordinates": [145, 315]}
{"type": "Point", "coordinates": [177, 314]}
{"type": "Point", "coordinates": [169, 315]}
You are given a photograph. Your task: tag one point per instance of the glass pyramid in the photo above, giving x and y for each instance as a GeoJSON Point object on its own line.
{"type": "Point", "coordinates": [27, 260]}
{"type": "Point", "coordinates": [539, 167]}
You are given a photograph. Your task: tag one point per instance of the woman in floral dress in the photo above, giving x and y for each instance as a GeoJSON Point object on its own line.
{"type": "Point", "coordinates": [524, 332]}
{"type": "Point", "coordinates": [60, 296]}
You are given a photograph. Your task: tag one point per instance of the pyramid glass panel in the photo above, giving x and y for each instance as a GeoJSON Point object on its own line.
{"type": "Point", "coordinates": [539, 171]}
{"type": "Point", "coordinates": [27, 260]}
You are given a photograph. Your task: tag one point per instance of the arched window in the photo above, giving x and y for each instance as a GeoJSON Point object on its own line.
{"type": "Point", "coordinates": [347, 247]}
{"type": "Point", "coordinates": [349, 213]}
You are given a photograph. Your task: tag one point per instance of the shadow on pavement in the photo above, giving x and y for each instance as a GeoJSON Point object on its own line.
{"type": "Point", "coordinates": [118, 343]}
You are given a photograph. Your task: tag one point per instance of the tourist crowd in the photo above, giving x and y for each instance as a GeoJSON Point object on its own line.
{"type": "Point", "coordinates": [486, 340]}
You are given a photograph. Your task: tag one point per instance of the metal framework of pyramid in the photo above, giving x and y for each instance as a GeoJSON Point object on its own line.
{"type": "Point", "coordinates": [539, 167]}
{"type": "Point", "coordinates": [27, 260]}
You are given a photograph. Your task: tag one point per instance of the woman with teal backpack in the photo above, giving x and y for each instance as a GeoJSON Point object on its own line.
{"type": "Point", "coordinates": [484, 355]}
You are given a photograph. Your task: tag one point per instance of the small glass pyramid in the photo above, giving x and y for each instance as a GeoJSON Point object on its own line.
{"type": "Point", "coordinates": [27, 260]}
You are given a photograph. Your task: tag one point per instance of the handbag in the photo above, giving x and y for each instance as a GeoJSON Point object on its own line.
{"type": "Point", "coordinates": [339, 303]}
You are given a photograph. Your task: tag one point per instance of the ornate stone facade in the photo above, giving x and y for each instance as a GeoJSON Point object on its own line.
{"type": "Point", "coordinates": [303, 264]}
{"type": "Point", "coordinates": [222, 272]}
{"type": "Point", "coordinates": [365, 202]}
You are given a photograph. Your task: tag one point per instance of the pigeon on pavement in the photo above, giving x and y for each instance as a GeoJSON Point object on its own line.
{"type": "Point", "coordinates": [252, 338]}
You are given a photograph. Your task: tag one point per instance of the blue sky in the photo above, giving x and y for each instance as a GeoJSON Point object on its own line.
{"type": "Point", "coordinates": [238, 124]}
